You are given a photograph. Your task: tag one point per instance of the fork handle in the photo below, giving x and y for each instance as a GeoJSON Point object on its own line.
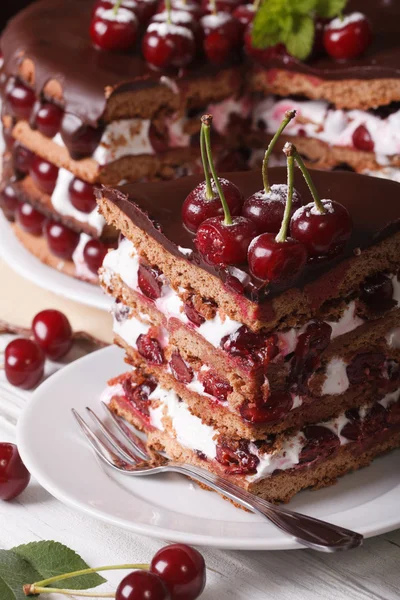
{"type": "Point", "coordinates": [310, 532]}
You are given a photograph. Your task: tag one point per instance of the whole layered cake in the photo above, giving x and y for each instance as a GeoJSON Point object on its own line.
{"type": "Point", "coordinates": [265, 349]}
{"type": "Point", "coordinates": [106, 92]}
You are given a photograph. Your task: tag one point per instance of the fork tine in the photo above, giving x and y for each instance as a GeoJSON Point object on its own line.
{"type": "Point", "coordinates": [133, 440]}
{"type": "Point", "coordinates": [127, 454]}
{"type": "Point", "coordinates": [102, 451]}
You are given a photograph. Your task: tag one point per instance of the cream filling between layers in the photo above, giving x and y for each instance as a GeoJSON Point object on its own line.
{"type": "Point", "coordinates": [131, 137]}
{"type": "Point", "coordinates": [332, 126]}
{"type": "Point", "coordinates": [62, 204]}
{"type": "Point", "coordinates": [194, 435]}
{"type": "Point", "coordinates": [124, 262]}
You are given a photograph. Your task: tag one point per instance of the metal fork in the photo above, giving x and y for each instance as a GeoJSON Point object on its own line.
{"type": "Point", "coordinates": [127, 454]}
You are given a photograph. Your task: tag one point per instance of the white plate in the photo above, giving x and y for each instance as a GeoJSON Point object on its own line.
{"type": "Point", "coordinates": [171, 507]}
{"type": "Point", "coordinates": [31, 268]}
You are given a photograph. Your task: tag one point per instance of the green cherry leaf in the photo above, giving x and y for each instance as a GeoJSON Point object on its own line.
{"type": "Point", "coordinates": [328, 9]}
{"type": "Point", "coordinates": [303, 7]}
{"type": "Point", "coordinates": [50, 558]}
{"type": "Point", "coordinates": [300, 41]}
{"type": "Point", "coordinates": [15, 572]}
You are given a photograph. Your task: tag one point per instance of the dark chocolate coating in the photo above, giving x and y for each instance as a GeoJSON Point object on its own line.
{"type": "Point", "coordinates": [55, 35]}
{"type": "Point", "coordinates": [374, 205]}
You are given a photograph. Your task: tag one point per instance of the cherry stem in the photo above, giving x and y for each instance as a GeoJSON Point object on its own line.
{"type": "Point", "coordinates": [282, 234]}
{"type": "Point", "coordinates": [309, 181]}
{"type": "Point", "coordinates": [289, 115]}
{"type": "Point", "coordinates": [256, 5]}
{"type": "Point", "coordinates": [168, 8]}
{"type": "Point", "coordinates": [88, 571]}
{"type": "Point", "coordinates": [204, 160]}
{"type": "Point", "coordinates": [206, 121]}
{"type": "Point", "coordinates": [35, 591]}
{"type": "Point", "coordinates": [213, 6]}
{"type": "Point", "coordinates": [117, 7]}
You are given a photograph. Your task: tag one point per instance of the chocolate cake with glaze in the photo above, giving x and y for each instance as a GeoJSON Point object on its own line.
{"type": "Point", "coordinates": [280, 387]}
{"type": "Point", "coordinates": [115, 119]}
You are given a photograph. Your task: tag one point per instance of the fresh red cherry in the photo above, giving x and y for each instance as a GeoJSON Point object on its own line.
{"type": "Point", "coordinates": [52, 331]}
{"type": "Point", "coordinates": [61, 240]}
{"type": "Point", "coordinates": [323, 226]}
{"type": "Point", "coordinates": [30, 219]}
{"type": "Point", "coordinates": [324, 234]}
{"type": "Point", "coordinates": [245, 14]}
{"type": "Point", "coordinates": [24, 363]}
{"type": "Point", "coordinates": [266, 209]}
{"type": "Point", "coordinates": [220, 240]}
{"type": "Point", "coordinates": [22, 159]}
{"type": "Point", "coordinates": [221, 243]}
{"type": "Point", "coordinates": [14, 476]}
{"type": "Point", "coordinates": [80, 139]}
{"type": "Point", "coordinates": [279, 258]}
{"type": "Point", "coordinates": [112, 30]}
{"type": "Point", "coordinates": [93, 255]}
{"type": "Point", "coordinates": [8, 202]}
{"type": "Point", "coordinates": [20, 98]}
{"type": "Point", "coordinates": [149, 281]}
{"type": "Point", "coordinates": [142, 585]}
{"type": "Point", "coordinates": [168, 46]}
{"type": "Point", "coordinates": [48, 119]}
{"type": "Point", "coordinates": [182, 569]}
{"type": "Point", "coordinates": [362, 139]}
{"type": "Point", "coordinates": [222, 6]}
{"type": "Point", "coordinates": [44, 174]}
{"type": "Point", "coordinates": [267, 206]}
{"type": "Point", "coordinates": [222, 37]}
{"type": "Point", "coordinates": [274, 261]}
{"type": "Point", "coordinates": [81, 195]}
{"type": "Point", "coordinates": [197, 207]}
{"type": "Point", "coordinates": [348, 37]}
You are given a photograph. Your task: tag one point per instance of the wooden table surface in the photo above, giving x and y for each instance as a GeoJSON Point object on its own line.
{"type": "Point", "coordinates": [371, 572]}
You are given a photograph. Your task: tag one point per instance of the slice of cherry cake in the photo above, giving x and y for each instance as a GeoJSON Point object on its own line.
{"type": "Point", "coordinates": [281, 382]}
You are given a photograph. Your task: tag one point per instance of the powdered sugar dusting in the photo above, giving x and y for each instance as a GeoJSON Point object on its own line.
{"type": "Point", "coordinates": [165, 29]}
{"type": "Point", "coordinates": [214, 21]}
{"type": "Point", "coordinates": [177, 17]}
{"type": "Point", "coordinates": [339, 23]}
{"type": "Point", "coordinates": [122, 16]}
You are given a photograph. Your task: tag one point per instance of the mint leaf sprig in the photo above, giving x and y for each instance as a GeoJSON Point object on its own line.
{"type": "Point", "coordinates": [292, 23]}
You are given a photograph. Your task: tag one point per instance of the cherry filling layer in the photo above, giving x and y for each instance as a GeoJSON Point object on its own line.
{"type": "Point", "coordinates": [361, 428]}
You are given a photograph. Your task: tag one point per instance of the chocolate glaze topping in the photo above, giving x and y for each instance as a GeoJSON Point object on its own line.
{"type": "Point", "coordinates": [373, 203]}
{"type": "Point", "coordinates": [55, 35]}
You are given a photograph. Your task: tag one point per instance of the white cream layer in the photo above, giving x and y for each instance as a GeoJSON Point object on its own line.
{"type": "Point", "coordinates": [330, 125]}
{"type": "Point", "coordinates": [63, 205]}
{"type": "Point", "coordinates": [193, 434]}
{"type": "Point", "coordinates": [131, 137]}
{"type": "Point", "coordinates": [124, 262]}
{"type": "Point", "coordinates": [81, 267]}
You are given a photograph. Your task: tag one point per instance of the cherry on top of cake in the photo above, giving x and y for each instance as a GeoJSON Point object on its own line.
{"type": "Point", "coordinates": [155, 208]}
{"type": "Point", "coordinates": [373, 55]}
